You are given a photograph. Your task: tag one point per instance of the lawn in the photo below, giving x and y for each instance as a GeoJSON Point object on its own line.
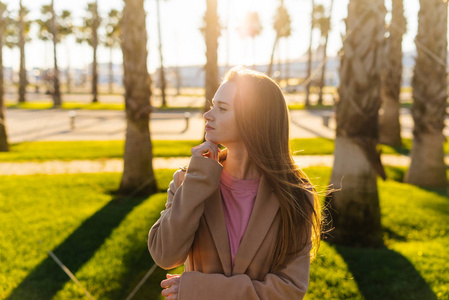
{"type": "Point", "coordinates": [102, 240]}
{"type": "Point", "coordinates": [41, 151]}
{"type": "Point", "coordinates": [90, 106]}
{"type": "Point", "coordinates": [121, 106]}
{"type": "Point", "coordinates": [67, 105]}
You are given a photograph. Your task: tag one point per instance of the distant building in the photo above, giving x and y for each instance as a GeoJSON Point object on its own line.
{"type": "Point", "coordinates": [194, 76]}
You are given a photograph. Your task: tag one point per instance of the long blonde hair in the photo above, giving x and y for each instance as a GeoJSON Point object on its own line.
{"type": "Point", "coordinates": [263, 121]}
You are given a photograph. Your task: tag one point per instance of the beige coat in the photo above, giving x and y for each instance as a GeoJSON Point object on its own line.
{"type": "Point", "coordinates": [192, 230]}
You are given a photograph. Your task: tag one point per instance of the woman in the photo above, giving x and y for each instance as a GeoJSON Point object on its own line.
{"type": "Point", "coordinates": [244, 220]}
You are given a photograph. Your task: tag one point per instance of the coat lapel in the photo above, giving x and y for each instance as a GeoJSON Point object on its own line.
{"type": "Point", "coordinates": [213, 211]}
{"type": "Point", "coordinates": [264, 211]}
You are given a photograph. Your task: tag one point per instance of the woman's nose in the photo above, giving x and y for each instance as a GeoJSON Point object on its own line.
{"type": "Point", "coordinates": [208, 115]}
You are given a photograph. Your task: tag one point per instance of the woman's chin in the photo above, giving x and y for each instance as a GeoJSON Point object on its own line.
{"type": "Point", "coordinates": [210, 138]}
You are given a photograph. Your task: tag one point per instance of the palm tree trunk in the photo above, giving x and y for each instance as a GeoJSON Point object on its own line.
{"type": "Point", "coordinates": [309, 60]}
{"type": "Point", "coordinates": [3, 134]}
{"type": "Point", "coordinates": [389, 126]}
{"type": "Point", "coordinates": [161, 57]}
{"type": "Point", "coordinates": [287, 64]}
{"type": "Point", "coordinates": [94, 62]}
{"type": "Point", "coordinates": [138, 176]}
{"type": "Point", "coordinates": [270, 67]}
{"type": "Point", "coordinates": [427, 168]}
{"type": "Point", "coordinates": [323, 68]}
{"type": "Point", "coordinates": [355, 208]}
{"type": "Point", "coordinates": [178, 80]}
{"type": "Point", "coordinates": [22, 70]}
{"type": "Point", "coordinates": [254, 51]}
{"type": "Point", "coordinates": [323, 72]}
{"type": "Point", "coordinates": [279, 69]}
{"type": "Point", "coordinates": [211, 52]}
{"type": "Point", "coordinates": [68, 76]}
{"type": "Point", "coordinates": [56, 94]}
{"type": "Point", "coordinates": [111, 72]}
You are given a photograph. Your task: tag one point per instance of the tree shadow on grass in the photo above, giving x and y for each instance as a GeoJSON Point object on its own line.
{"type": "Point", "coordinates": [48, 278]}
{"type": "Point", "coordinates": [385, 274]}
{"type": "Point", "coordinates": [438, 191]}
{"type": "Point", "coordinates": [138, 262]}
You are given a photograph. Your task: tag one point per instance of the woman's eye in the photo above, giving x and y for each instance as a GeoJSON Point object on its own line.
{"type": "Point", "coordinates": [222, 109]}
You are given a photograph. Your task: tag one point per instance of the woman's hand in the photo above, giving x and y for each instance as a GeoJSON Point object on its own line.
{"type": "Point", "coordinates": [206, 149]}
{"type": "Point", "coordinates": [171, 287]}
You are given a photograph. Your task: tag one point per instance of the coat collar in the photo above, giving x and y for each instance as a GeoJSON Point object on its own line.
{"type": "Point", "coordinates": [262, 216]}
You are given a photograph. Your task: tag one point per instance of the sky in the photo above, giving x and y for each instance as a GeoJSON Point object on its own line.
{"type": "Point", "coordinates": [182, 41]}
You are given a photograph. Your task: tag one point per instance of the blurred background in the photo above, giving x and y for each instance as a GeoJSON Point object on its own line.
{"type": "Point", "coordinates": [102, 100]}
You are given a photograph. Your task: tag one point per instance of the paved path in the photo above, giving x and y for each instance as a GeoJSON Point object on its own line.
{"type": "Point", "coordinates": [116, 165]}
{"type": "Point", "coordinates": [54, 125]}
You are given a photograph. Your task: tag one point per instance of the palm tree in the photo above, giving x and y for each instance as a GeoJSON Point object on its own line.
{"type": "Point", "coordinates": [16, 36]}
{"type": "Point", "coordinates": [325, 26]}
{"type": "Point", "coordinates": [22, 36]}
{"type": "Point", "coordinates": [427, 167]}
{"type": "Point", "coordinates": [162, 80]}
{"type": "Point", "coordinates": [54, 28]}
{"type": "Point", "coordinates": [89, 33]}
{"type": "Point", "coordinates": [355, 208]}
{"type": "Point", "coordinates": [54, 32]}
{"type": "Point", "coordinates": [93, 8]}
{"type": "Point", "coordinates": [4, 19]}
{"type": "Point", "coordinates": [389, 126]}
{"type": "Point", "coordinates": [251, 28]}
{"type": "Point", "coordinates": [44, 33]}
{"type": "Point", "coordinates": [211, 30]}
{"type": "Point", "coordinates": [309, 54]}
{"type": "Point", "coordinates": [82, 36]}
{"type": "Point", "coordinates": [65, 28]}
{"type": "Point", "coordinates": [138, 176]}
{"type": "Point", "coordinates": [282, 26]}
{"type": "Point", "coordinates": [112, 40]}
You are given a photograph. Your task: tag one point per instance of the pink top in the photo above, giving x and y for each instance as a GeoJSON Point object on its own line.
{"type": "Point", "coordinates": [238, 198]}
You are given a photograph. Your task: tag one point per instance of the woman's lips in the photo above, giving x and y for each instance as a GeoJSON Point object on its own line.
{"type": "Point", "coordinates": [208, 127]}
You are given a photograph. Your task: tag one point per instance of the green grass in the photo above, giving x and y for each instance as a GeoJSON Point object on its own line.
{"type": "Point", "coordinates": [61, 150]}
{"type": "Point", "coordinates": [90, 106]}
{"type": "Point", "coordinates": [301, 106]}
{"type": "Point", "coordinates": [102, 240]}
{"type": "Point", "coordinates": [67, 105]}
{"type": "Point", "coordinates": [324, 146]}
{"type": "Point", "coordinates": [41, 151]}
{"type": "Point", "coordinates": [412, 265]}
{"type": "Point", "coordinates": [312, 146]}
{"type": "Point", "coordinates": [121, 106]}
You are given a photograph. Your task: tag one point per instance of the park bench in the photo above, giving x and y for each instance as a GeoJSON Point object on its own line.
{"type": "Point", "coordinates": [73, 116]}
{"type": "Point", "coordinates": [326, 116]}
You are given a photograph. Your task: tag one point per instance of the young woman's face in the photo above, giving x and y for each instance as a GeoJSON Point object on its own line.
{"type": "Point", "coordinates": [221, 125]}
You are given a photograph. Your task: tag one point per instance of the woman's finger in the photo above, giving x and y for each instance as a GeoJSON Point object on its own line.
{"type": "Point", "coordinates": [206, 149]}
{"type": "Point", "coordinates": [169, 291]}
{"type": "Point", "coordinates": [167, 282]}
{"type": "Point", "coordinates": [213, 149]}
{"type": "Point", "coordinates": [172, 297]}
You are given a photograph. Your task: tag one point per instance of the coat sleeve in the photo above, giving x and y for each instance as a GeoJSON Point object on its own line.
{"type": "Point", "coordinates": [171, 237]}
{"type": "Point", "coordinates": [288, 283]}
